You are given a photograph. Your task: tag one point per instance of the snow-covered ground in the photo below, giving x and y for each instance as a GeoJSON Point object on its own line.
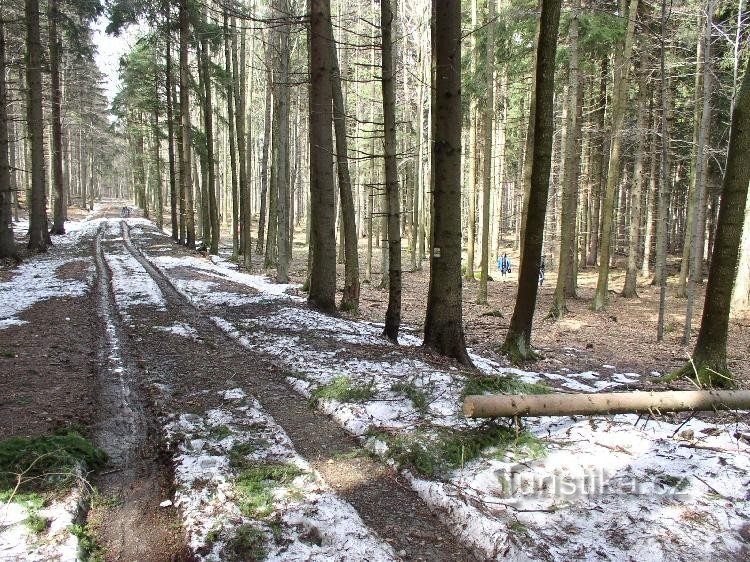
{"type": "Point", "coordinates": [594, 488]}
{"type": "Point", "coordinates": [609, 487]}
{"type": "Point", "coordinates": [298, 518]}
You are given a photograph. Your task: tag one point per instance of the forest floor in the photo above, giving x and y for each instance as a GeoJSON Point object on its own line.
{"type": "Point", "coordinates": [242, 425]}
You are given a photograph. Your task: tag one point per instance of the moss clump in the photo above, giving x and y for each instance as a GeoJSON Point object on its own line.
{"type": "Point", "coordinates": [489, 384]}
{"type": "Point", "coordinates": [46, 462]}
{"type": "Point", "coordinates": [219, 432]}
{"type": "Point", "coordinates": [248, 543]}
{"type": "Point", "coordinates": [36, 523]}
{"type": "Point", "coordinates": [524, 446]}
{"type": "Point", "coordinates": [256, 483]}
{"type": "Point", "coordinates": [343, 389]}
{"type": "Point", "coordinates": [240, 451]}
{"type": "Point", "coordinates": [704, 373]}
{"type": "Point", "coordinates": [437, 452]}
{"type": "Point", "coordinates": [416, 395]}
{"type": "Point", "coordinates": [88, 549]}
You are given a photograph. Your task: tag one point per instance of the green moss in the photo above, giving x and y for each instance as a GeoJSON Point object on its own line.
{"type": "Point", "coordinates": [256, 483]}
{"type": "Point", "coordinates": [88, 549]}
{"type": "Point", "coordinates": [219, 432]}
{"type": "Point", "coordinates": [46, 462]}
{"type": "Point", "coordinates": [416, 395]}
{"type": "Point", "coordinates": [36, 523]}
{"type": "Point", "coordinates": [490, 384]}
{"type": "Point", "coordinates": [240, 451]}
{"type": "Point", "coordinates": [247, 544]}
{"type": "Point", "coordinates": [343, 390]}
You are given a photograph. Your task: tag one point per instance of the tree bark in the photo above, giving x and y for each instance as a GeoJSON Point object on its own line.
{"type": "Point", "coordinates": [634, 239]}
{"type": "Point", "coordinates": [619, 98]}
{"type": "Point", "coordinates": [282, 143]}
{"type": "Point", "coordinates": [186, 180]}
{"type": "Point", "coordinates": [565, 286]}
{"type": "Point", "coordinates": [264, 156]}
{"type": "Point", "coordinates": [323, 251]}
{"type": "Point", "coordinates": [173, 196]}
{"type": "Point", "coordinates": [7, 244]}
{"type": "Point", "coordinates": [393, 313]}
{"type": "Point", "coordinates": [605, 403]}
{"type": "Point", "coordinates": [58, 225]}
{"type": "Point", "coordinates": [233, 136]}
{"type": "Point", "coordinates": [699, 226]}
{"type": "Point", "coordinates": [39, 237]}
{"type": "Point", "coordinates": [487, 114]}
{"type": "Point", "coordinates": [709, 360]}
{"type": "Point", "coordinates": [517, 343]}
{"type": "Point", "coordinates": [443, 331]}
{"type": "Point", "coordinates": [350, 296]}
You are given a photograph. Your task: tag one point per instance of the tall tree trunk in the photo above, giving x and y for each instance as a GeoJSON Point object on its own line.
{"type": "Point", "coordinates": [699, 226]}
{"type": "Point", "coordinates": [619, 98]}
{"type": "Point", "coordinates": [208, 111]}
{"type": "Point", "coordinates": [696, 156]}
{"type": "Point", "coordinates": [517, 343]}
{"type": "Point", "coordinates": [350, 296]}
{"type": "Point", "coordinates": [471, 220]}
{"type": "Point", "coordinates": [185, 171]}
{"type": "Point", "coordinates": [322, 293]}
{"type": "Point", "coordinates": [634, 242]}
{"type": "Point", "coordinates": [170, 129]}
{"type": "Point", "coordinates": [58, 225]}
{"type": "Point", "coordinates": [264, 155]}
{"type": "Point", "coordinates": [39, 237]}
{"type": "Point", "coordinates": [231, 72]}
{"type": "Point", "coordinates": [443, 328]}
{"type": "Point", "coordinates": [596, 177]}
{"type": "Point", "coordinates": [487, 113]}
{"type": "Point", "coordinates": [662, 224]}
{"type": "Point", "coordinates": [283, 9]}
{"type": "Point", "coordinates": [393, 314]}
{"type": "Point", "coordinates": [709, 360]}
{"type": "Point", "coordinates": [568, 212]}
{"type": "Point", "coordinates": [7, 244]}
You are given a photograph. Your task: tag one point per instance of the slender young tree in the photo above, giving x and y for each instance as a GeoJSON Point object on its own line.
{"type": "Point", "coordinates": [443, 328]}
{"type": "Point", "coordinates": [185, 167]}
{"type": "Point", "coordinates": [487, 113]}
{"type": "Point", "coordinates": [350, 296]}
{"type": "Point", "coordinates": [517, 343]}
{"type": "Point", "coordinates": [322, 293]}
{"type": "Point", "coordinates": [565, 286]}
{"type": "Point", "coordinates": [619, 95]}
{"type": "Point", "coordinates": [281, 142]}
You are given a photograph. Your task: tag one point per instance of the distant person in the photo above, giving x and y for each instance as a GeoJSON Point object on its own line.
{"type": "Point", "coordinates": [503, 264]}
{"type": "Point", "coordinates": [125, 212]}
{"type": "Point", "coordinates": [541, 272]}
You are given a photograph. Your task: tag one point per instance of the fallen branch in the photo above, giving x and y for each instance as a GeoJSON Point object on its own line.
{"type": "Point", "coordinates": [493, 406]}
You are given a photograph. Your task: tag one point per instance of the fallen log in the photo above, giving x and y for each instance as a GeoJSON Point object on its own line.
{"type": "Point", "coordinates": [512, 405]}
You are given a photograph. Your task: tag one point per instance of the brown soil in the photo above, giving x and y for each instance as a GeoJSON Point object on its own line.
{"type": "Point", "coordinates": [50, 376]}
{"type": "Point", "coordinates": [623, 335]}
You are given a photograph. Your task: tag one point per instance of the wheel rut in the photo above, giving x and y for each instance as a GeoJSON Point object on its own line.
{"type": "Point", "coordinates": [125, 517]}
{"type": "Point", "coordinates": [382, 497]}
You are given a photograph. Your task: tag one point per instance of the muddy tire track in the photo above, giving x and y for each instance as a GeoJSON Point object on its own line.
{"type": "Point", "coordinates": [381, 496]}
{"type": "Point", "coordinates": [127, 520]}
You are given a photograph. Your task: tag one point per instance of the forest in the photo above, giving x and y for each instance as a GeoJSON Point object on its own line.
{"type": "Point", "coordinates": [374, 280]}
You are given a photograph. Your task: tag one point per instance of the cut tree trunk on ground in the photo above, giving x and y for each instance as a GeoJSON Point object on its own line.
{"type": "Point", "coordinates": [495, 406]}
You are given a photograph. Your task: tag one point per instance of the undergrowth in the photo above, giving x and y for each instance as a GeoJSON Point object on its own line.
{"type": "Point", "coordinates": [255, 484]}
{"type": "Point", "coordinates": [417, 396]}
{"type": "Point", "coordinates": [47, 462]}
{"type": "Point", "coordinates": [492, 384]}
{"type": "Point", "coordinates": [248, 543]}
{"type": "Point", "coordinates": [88, 549]}
{"type": "Point", "coordinates": [437, 452]}
{"type": "Point", "coordinates": [343, 389]}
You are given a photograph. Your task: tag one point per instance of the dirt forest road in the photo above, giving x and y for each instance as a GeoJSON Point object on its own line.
{"type": "Point", "coordinates": [121, 377]}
